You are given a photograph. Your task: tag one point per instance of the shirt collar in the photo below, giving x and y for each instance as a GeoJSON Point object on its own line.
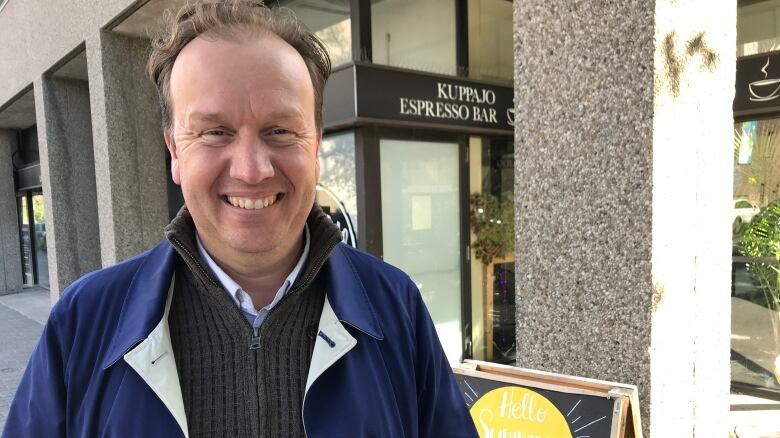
{"type": "Point", "coordinates": [234, 290]}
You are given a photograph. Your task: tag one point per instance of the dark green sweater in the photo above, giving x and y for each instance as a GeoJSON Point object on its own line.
{"type": "Point", "coordinates": [228, 387]}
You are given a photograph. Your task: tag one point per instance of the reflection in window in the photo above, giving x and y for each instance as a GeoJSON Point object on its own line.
{"type": "Point", "coordinates": [336, 190]}
{"type": "Point", "coordinates": [27, 238]}
{"type": "Point", "coordinates": [755, 315]}
{"type": "Point", "coordinates": [421, 227]}
{"type": "Point", "coordinates": [41, 254]}
{"type": "Point", "coordinates": [490, 40]}
{"type": "Point", "coordinates": [414, 34]}
{"type": "Point", "coordinates": [758, 27]}
{"type": "Point", "coordinates": [329, 20]}
{"type": "Point", "coordinates": [491, 206]}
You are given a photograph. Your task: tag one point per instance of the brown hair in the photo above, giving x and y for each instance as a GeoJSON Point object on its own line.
{"type": "Point", "coordinates": [234, 19]}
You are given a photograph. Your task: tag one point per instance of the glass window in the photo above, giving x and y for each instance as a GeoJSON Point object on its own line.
{"type": "Point", "coordinates": [490, 40]}
{"type": "Point", "coordinates": [41, 251]}
{"type": "Point", "coordinates": [329, 20]}
{"type": "Point", "coordinates": [336, 190]}
{"type": "Point", "coordinates": [26, 238]}
{"type": "Point", "coordinates": [758, 26]}
{"type": "Point", "coordinates": [755, 292]}
{"type": "Point", "coordinates": [491, 205]}
{"type": "Point", "coordinates": [414, 34]}
{"type": "Point", "coordinates": [421, 227]}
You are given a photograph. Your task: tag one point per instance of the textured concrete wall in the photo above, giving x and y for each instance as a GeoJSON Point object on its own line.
{"type": "Point", "coordinates": [68, 179]}
{"type": "Point", "coordinates": [38, 33]}
{"type": "Point", "coordinates": [10, 256]}
{"type": "Point", "coordinates": [623, 127]}
{"type": "Point", "coordinates": [129, 148]}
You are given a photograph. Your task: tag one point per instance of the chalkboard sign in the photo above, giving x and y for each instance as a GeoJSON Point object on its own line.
{"type": "Point", "coordinates": [508, 402]}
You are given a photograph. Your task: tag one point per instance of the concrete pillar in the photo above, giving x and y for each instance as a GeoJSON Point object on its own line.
{"type": "Point", "coordinates": [10, 256]}
{"type": "Point", "coordinates": [623, 182]}
{"type": "Point", "coordinates": [129, 147]}
{"type": "Point", "coordinates": [68, 179]}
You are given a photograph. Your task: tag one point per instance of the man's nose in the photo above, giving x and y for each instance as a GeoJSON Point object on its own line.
{"type": "Point", "coordinates": [251, 161]}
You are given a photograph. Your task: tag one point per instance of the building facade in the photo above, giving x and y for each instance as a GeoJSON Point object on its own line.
{"type": "Point", "coordinates": [531, 178]}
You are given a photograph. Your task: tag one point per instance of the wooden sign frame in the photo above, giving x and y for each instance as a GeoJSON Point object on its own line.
{"type": "Point", "coordinates": [626, 421]}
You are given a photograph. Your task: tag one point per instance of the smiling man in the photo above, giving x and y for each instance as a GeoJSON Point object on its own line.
{"type": "Point", "coordinates": [250, 319]}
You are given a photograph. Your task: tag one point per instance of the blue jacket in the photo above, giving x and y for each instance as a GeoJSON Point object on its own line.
{"type": "Point", "coordinates": [104, 365]}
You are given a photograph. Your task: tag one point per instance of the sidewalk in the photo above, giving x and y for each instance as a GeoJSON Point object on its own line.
{"type": "Point", "coordinates": [22, 317]}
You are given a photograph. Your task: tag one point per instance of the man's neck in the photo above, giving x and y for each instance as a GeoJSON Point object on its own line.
{"type": "Point", "coordinates": [259, 275]}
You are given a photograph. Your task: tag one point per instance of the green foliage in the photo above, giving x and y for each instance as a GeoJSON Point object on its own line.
{"type": "Point", "coordinates": [761, 239]}
{"type": "Point", "coordinates": [38, 210]}
{"type": "Point", "coordinates": [493, 224]}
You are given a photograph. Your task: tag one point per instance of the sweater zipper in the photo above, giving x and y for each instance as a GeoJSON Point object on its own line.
{"type": "Point", "coordinates": [316, 265]}
{"type": "Point", "coordinates": [256, 341]}
{"type": "Point", "coordinates": [195, 261]}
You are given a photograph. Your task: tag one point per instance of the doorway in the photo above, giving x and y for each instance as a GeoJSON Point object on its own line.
{"type": "Point", "coordinates": [32, 238]}
{"type": "Point", "coordinates": [422, 227]}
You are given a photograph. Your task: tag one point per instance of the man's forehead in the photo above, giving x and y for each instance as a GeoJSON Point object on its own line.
{"type": "Point", "coordinates": [213, 65]}
{"type": "Point", "coordinates": [223, 45]}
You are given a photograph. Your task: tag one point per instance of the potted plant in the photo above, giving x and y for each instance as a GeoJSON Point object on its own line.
{"type": "Point", "coordinates": [492, 223]}
{"type": "Point", "coordinates": [760, 241]}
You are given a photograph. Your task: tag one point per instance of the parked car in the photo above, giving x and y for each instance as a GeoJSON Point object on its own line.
{"type": "Point", "coordinates": [744, 210]}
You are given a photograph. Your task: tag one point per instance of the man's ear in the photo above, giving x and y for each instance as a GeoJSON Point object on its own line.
{"type": "Point", "coordinates": [174, 157]}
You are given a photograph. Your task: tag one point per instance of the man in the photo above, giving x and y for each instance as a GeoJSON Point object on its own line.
{"type": "Point", "coordinates": [250, 319]}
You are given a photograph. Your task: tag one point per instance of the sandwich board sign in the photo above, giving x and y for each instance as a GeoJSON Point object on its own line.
{"type": "Point", "coordinates": [509, 402]}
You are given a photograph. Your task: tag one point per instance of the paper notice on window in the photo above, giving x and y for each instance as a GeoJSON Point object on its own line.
{"type": "Point", "coordinates": [421, 212]}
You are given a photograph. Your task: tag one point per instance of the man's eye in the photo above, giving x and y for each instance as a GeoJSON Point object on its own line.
{"type": "Point", "coordinates": [216, 132]}
{"type": "Point", "coordinates": [279, 131]}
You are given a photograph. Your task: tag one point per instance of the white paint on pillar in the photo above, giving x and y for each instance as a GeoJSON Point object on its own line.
{"type": "Point", "coordinates": [692, 186]}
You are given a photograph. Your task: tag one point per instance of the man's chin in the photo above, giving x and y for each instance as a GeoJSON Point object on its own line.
{"type": "Point", "coordinates": [256, 246]}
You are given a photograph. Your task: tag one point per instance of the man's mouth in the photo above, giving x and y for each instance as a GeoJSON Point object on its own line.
{"type": "Point", "coordinates": [253, 203]}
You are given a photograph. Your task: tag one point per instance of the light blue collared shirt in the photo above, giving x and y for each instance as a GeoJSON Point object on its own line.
{"type": "Point", "coordinates": [240, 297]}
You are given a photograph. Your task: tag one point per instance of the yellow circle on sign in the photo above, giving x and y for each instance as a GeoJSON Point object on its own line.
{"type": "Point", "coordinates": [513, 411]}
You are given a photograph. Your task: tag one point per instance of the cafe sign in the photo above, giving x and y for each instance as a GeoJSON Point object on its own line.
{"type": "Point", "coordinates": [392, 94]}
{"type": "Point", "coordinates": [758, 84]}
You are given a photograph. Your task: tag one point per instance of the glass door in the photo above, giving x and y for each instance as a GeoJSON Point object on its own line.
{"type": "Point", "coordinates": [755, 289]}
{"type": "Point", "coordinates": [39, 240]}
{"type": "Point", "coordinates": [32, 237]}
{"type": "Point", "coordinates": [25, 237]}
{"type": "Point", "coordinates": [491, 213]}
{"type": "Point", "coordinates": [421, 223]}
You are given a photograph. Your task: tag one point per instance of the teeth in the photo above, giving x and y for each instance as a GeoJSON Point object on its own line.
{"type": "Point", "coordinates": [251, 204]}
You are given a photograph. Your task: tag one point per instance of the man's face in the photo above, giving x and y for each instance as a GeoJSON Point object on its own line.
{"type": "Point", "coordinates": [244, 143]}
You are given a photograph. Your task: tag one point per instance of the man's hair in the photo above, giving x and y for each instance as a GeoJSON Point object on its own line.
{"type": "Point", "coordinates": [234, 20]}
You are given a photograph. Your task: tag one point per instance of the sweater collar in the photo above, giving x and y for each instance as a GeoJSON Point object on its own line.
{"type": "Point", "coordinates": [145, 301]}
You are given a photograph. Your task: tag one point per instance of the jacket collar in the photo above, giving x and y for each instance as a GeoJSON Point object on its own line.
{"type": "Point", "coordinates": [347, 295]}
{"type": "Point", "coordinates": [145, 302]}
